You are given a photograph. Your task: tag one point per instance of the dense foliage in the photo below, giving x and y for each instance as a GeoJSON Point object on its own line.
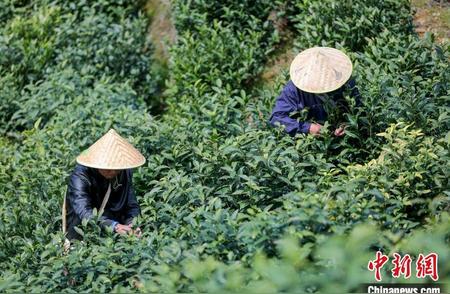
{"type": "Point", "coordinates": [228, 203]}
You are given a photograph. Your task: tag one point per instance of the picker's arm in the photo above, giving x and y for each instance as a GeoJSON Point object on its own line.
{"type": "Point", "coordinates": [284, 106]}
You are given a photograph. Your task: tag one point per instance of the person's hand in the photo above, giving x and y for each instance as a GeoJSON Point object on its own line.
{"type": "Point", "coordinates": [123, 229]}
{"type": "Point", "coordinates": [137, 232]}
{"type": "Point", "coordinates": [128, 229]}
{"type": "Point", "coordinates": [339, 131]}
{"type": "Point", "coordinates": [314, 129]}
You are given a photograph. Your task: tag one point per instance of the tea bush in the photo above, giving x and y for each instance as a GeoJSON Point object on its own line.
{"type": "Point", "coordinates": [347, 24]}
{"type": "Point", "coordinates": [37, 48]}
{"type": "Point", "coordinates": [238, 14]}
{"type": "Point", "coordinates": [414, 84]}
{"type": "Point", "coordinates": [228, 203]}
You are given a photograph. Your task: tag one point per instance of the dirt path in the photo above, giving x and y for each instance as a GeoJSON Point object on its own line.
{"type": "Point", "coordinates": [432, 16]}
{"type": "Point", "coordinates": [161, 30]}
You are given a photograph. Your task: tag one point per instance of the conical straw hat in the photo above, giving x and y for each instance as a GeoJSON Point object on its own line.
{"type": "Point", "coordinates": [320, 70]}
{"type": "Point", "coordinates": [111, 152]}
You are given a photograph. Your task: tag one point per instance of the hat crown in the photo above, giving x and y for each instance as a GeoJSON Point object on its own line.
{"type": "Point", "coordinates": [320, 70]}
{"type": "Point", "coordinates": [111, 151]}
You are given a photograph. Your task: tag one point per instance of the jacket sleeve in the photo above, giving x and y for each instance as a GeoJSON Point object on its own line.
{"type": "Point", "coordinates": [133, 208]}
{"type": "Point", "coordinates": [286, 104]}
{"type": "Point", "coordinates": [81, 201]}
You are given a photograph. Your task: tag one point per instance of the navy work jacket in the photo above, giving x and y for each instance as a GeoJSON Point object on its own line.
{"type": "Point", "coordinates": [86, 190]}
{"type": "Point", "coordinates": [293, 100]}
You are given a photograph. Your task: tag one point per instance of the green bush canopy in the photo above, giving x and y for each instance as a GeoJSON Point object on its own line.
{"type": "Point", "coordinates": [228, 202]}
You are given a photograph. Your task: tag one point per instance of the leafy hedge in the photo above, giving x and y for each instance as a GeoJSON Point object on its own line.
{"type": "Point", "coordinates": [347, 23]}
{"type": "Point", "coordinates": [55, 43]}
{"type": "Point", "coordinates": [228, 203]}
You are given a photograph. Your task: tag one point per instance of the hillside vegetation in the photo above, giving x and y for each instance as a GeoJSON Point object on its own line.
{"type": "Point", "coordinates": [228, 202]}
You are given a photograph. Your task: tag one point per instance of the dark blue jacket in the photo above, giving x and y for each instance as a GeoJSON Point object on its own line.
{"type": "Point", "coordinates": [293, 100]}
{"type": "Point", "coordinates": [86, 190]}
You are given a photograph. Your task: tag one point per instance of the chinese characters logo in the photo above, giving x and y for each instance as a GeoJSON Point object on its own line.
{"type": "Point", "coordinates": [426, 266]}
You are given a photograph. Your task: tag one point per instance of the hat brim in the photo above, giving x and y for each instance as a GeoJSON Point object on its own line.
{"type": "Point", "coordinates": [80, 160]}
{"type": "Point", "coordinates": [312, 75]}
{"type": "Point", "coordinates": [111, 152]}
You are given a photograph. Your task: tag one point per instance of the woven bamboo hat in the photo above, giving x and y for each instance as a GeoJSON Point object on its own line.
{"type": "Point", "coordinates": [320, 70]}
{"type": "Point", "coordinates": [111, 152]}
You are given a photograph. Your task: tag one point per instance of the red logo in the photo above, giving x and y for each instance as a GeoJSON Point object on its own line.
{"type": "Point", "coordinates": [377, 264]}
{"type": "Point", "coordinates": [402, 266]}
{"type": "Point", "coordinates": [426, 266]}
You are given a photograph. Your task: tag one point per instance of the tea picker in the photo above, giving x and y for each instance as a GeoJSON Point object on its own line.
{"type": "Point", "coordinates": [320, 77]}
{"type": "Point", "coordinates": [102, 180]}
